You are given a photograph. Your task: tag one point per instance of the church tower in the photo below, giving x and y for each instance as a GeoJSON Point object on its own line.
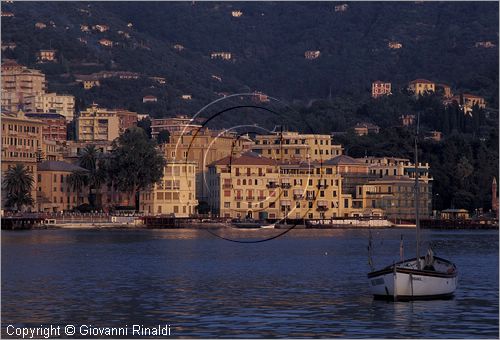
{"type": "Point", "coordinates": [494, 197]}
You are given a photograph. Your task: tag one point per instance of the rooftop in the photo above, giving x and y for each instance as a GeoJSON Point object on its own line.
{"type": "Point", "coordinates": [248, 158]}
{"type": "Point", "coordinates": [58, 166]}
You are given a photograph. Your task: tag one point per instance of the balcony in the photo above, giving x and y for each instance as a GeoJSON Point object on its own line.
{"type": "Point", "coordinates": [250, 198]}
{"type": "Point", "coordinates": [322, 208]}
{"type": "Point", "coordinates": [272, 185]}
{"type": "Point", "coordinates": [286, 185]}
{"type": "Point", "coordinates": [298, 197]}
{"type": "Point", "coordinates": [227, 186]}
{"type": "Point", "coordinates": [262, 198]}
{"type": "Point", "coordinates": [322, 186]}
{"type": "Point", "coordinates": [310, 198]}
{"type": "Point", "coordinates": [238, 198]}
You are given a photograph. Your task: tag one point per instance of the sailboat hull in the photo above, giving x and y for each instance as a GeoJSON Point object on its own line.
{"type": "Point", "coordinates": [403, 281]}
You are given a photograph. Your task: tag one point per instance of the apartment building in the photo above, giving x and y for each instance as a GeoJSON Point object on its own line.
{"type": "Point", "coordinates": [287, 146]}
{"type": "Point", "coordinates": [393, 166]}
{"type": "Point", "coordinates": [54, 128]}
{"type": "Point", "coordinates": [97, 124]}
{"type": "Point", "coordinates": [21, 143]}
{"type": "Point", "coordinates": [126, 119]}
{"type": "Point", "coordinates": [20, 82]}
{"type": "Point", "coordinates": [62, 104]}
{"type": "Point", "coordinates": [180, 123]}
{"type": "Point", "coordinates": [253, 186]}
{"type": "Point", "coordinates": [174, 194]}
{"type": "Point", "coordinates": [203, 147]}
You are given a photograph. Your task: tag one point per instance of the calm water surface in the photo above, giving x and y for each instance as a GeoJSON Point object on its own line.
{"type": "Point", "coordinates": [304, 284]}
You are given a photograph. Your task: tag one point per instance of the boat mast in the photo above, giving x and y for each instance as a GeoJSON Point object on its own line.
{"type": "Point", "coordinates": [417, 203]}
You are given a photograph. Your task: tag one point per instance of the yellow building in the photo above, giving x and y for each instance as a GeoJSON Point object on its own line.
{"type": "Point", "coordinates": [174, 194]}
{"type": "Point", "coordinates": [53, 103]}
{"type": "Point", "coordinates": [421, 86]}
{"type": "Point", "coordinates": [393, 166]}
{"type": "Point", "coordinates": [54, 192]}
{"type": "Point", "coordinates": [203, 147]}
{"type": "Point", "coordinates": [286, 146]}
{"type": "Point", "coordinates": [97, 124]}
{"type": "Point", "coordinates": [46, 55]}
{"type": "Point", "coordinates": [21, 142]}
{"type": "Point", "coordinates": [395, 196]}
{"type": "Point", "coordinates": [257, 187]}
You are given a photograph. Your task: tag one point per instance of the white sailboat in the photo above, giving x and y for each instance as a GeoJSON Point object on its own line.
{"type": "Point", "coordinates": [422, 277]}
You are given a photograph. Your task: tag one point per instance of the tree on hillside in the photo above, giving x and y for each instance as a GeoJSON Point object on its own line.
{"type": "Point", "coordinates": [135, 163]}
{"type": "Point", "coordinates": [18, 183]}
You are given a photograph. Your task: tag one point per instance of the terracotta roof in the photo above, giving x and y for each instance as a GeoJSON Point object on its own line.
{"type": "Point", "coordinates": [343, 159]}
{"type": "Point", "coordinates": [468, 95]}
{"type": "Point", "coordinates": [248, 158]}
{"type": "Point", "coordinates": [425, 81]}
{"type": "Point", "coordinates": [44, 115]}
{"type": "Point", "coordinates": [58, 166]}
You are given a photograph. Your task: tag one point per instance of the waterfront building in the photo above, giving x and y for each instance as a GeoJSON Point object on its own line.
{"type": "Point", "coordinates": [62, 104]}
{"type": "Point", "coordinates": [393, 166]}
{"type": "Point", "coordinates": [54, 129]}
{"type": "Point", "coordinates": [380, 88]}
{"type": "Point", "coordinates": [97, 124]}
{"type": "Point", "coordinates": [253, 186]}
{"type": "Point", "coordinates": [54, 191]}
{"type": "Point", "coordinates": [455, 214]}
{"type": "Point", "coordinates": [244, 185]}
{"type": "Point", "coordinates": [179, 123]}
{"type": "Point", "coordinates": [395, 196]}
{"type": "Point", "coordinates": [421, 86]}
{"type": "Point", "coordinates": [174, 194]}
{"type": "Point", "coordinates": [203, 147]}
{"type": "Point", "coordinates": [288, 146]}
{"type": "Point", "coordinates": [21, 143]}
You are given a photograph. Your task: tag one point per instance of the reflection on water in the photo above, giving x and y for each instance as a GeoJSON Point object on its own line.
{"type": "Point", "coordinates": [309, 283]}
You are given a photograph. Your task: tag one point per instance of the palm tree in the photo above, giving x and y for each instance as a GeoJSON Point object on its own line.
{"type": "Point", "coordinates": [78, 180]}
{"type": "Point", "coordinates": [18, 183]}
{"type": "Point", "coordinates": [88, 159]}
